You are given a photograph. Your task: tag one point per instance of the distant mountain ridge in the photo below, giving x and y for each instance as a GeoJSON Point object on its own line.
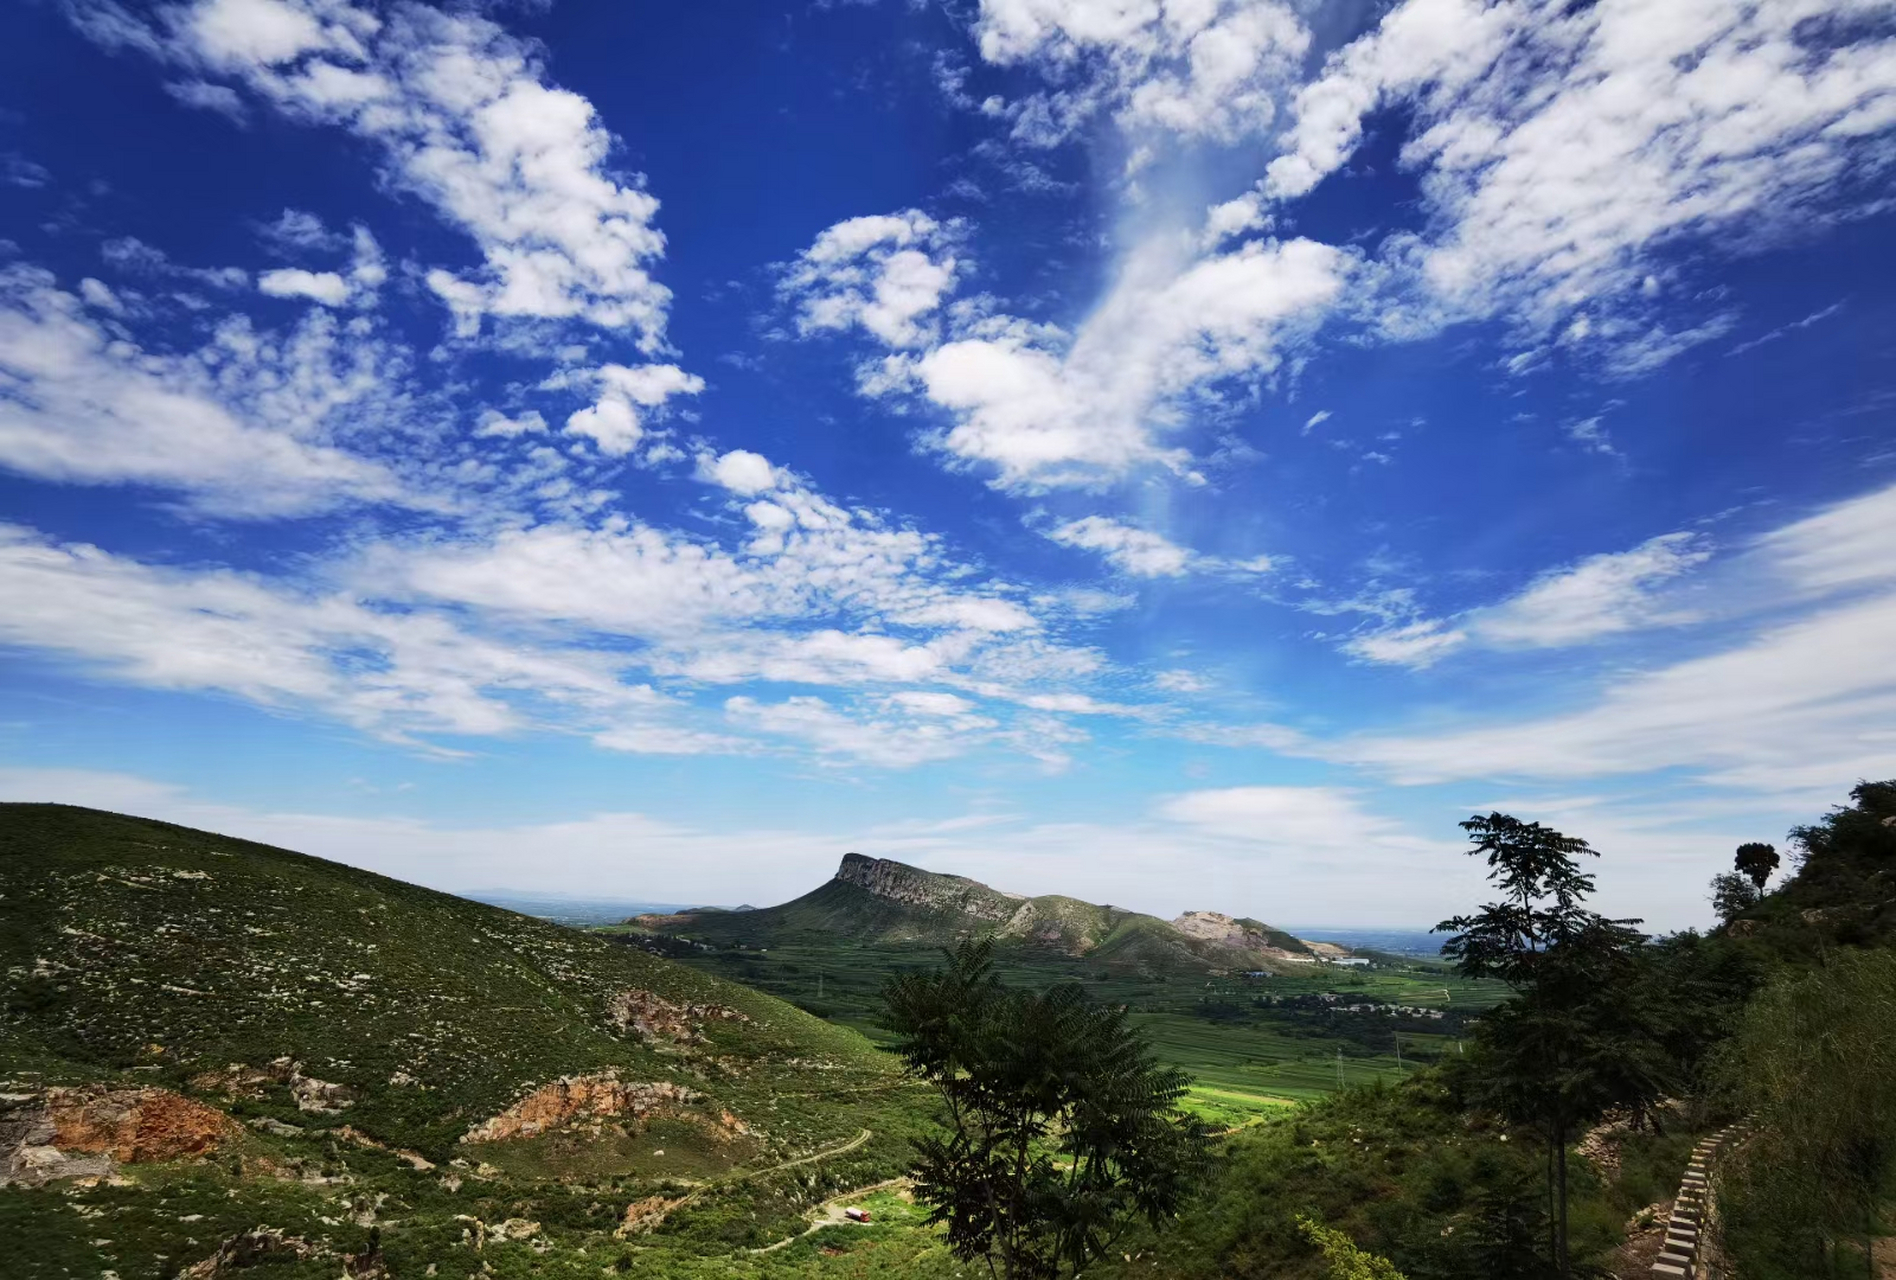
{"type": "Point", "coordinates": [880, 900]}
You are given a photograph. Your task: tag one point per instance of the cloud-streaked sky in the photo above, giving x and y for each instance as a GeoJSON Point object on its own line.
{"type": "Point", "coordinates": [1182, 453]}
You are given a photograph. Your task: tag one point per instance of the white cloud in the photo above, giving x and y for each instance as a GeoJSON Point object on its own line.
{"type": "Point", "coordinates": [1796, 695]}
{"type": "Point", "coordinates": [1316, 420]}
{"type": "Point", "coordinates": [134, 257]}
{"type": "Point", "coordinates": [210, 97]}
{"type": "Point", "coordinates": [225, 425]}
{"type": "Point", "coordinates": [1133, 550]}
{"type": "Point", "coordinates": [1803, 706]}
{"type": "Point", "coordinates": [1561, 147]}
{"type": "Point", "coordinates": [1211, 69]}
{"type": "Point", "coordinates": [325, 287]}
{"type": "Point", "coordinates": [743, 472]}
{"type": "Point", "coordinates": [495, 424]}
{"type": "Point", "coordinates": [1599, 596]}
{"type": "Point", "coordinates": [466, 122]}
{"type": "Point", "coordinates": [886, 274]}
{"type": "Point", "coordinates": [1146, 554]}
{"type": "Point", "coordinates": [614, 421]}
{"type": "Point", "coordinates": [897, 732]}
{"type": "Point", "coordinates": [298, 230]}
{"type": "Point", "coordinates": [1042, 409]}
{"type": "Point", "coordinates": [391, 673]}
{"type": "Point", "coordinates": [1179, 681]}
{"type": "Point", "coordinates": [1314, 821]}
{"type": "Point", "coordinates": [1411, 644]}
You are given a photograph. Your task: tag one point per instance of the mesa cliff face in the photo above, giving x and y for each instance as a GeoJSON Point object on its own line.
{"type": "Point", "coordinates": [928, 890]}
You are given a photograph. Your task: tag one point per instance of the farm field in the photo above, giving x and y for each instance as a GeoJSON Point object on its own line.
{"type": "Point", "coordinates": [1248, 1042]}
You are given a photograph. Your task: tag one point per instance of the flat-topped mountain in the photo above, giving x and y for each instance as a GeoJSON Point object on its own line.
{"type": "Point", "coordinates": [879, 900]}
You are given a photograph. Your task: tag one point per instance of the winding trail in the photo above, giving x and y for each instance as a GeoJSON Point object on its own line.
{"type": "Point", "coordinates": [830, 1213]}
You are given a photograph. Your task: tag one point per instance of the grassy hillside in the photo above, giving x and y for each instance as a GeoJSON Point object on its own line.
{"type": "Point", "coordinates": [267, 984]}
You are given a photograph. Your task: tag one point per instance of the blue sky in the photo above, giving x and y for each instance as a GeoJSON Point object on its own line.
{"type": "Point", "coordinates": [1185, 454]}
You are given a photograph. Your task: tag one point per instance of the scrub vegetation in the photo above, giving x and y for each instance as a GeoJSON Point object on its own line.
{"type": "Point", "coordinates": [219, 1059]}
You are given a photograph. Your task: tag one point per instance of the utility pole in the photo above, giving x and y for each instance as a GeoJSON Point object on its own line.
{"type": "Point", "coordinates": [1339, 1068]}
{"type": "Point", "coordinates": [1398, 1053]}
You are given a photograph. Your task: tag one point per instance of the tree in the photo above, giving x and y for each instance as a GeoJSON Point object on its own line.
{"type": "Point", "coordinates": [1733, 895]}
{"type": "Point", "coordinates": [1569, 1043]}
{"type": "Point", "coordinates": [1060, 1128]}
{"type": "Point", "coordinates": [1756, 861]}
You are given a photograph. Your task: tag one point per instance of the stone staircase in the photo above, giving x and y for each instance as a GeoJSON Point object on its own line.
{"type": "Point", "coordinates": [1681, 1255]}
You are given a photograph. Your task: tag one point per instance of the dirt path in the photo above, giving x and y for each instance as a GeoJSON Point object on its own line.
{"type": "Point", "coordinates": [830, 1212]}
{"type": "Point", "coordinates": [812, 1158]}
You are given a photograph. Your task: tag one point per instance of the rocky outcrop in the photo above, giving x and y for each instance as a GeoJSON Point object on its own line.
{"type": "Point", "coordinates": [90, 1130]}
{"type": "Point", "coordinates": [652, 1017]}
{"type": "Point", "coordinates": [911, 886]}
{"type": "Point", "coordinates": [249, 1249]}
{"type": "Point", "coordinates": [571, 1100]}
{"type": "Point", "coordinates": [643, 1215]}
{"type": "Point", "coordinates": [1246, 940]}
{"type": "Point", "coordinates": [239, 1081]}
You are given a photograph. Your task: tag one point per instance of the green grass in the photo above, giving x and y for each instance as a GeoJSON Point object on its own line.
{"type": "Point", "coordinates": [1264, 1057]}
{"type": "Point", "coordinates": [136, 952]}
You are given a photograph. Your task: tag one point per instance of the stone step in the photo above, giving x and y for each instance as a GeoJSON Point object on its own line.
{"type": "Point", "coordinates": [1668, 1270]}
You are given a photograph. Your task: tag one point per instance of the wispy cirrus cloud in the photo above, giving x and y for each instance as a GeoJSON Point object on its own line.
{"type": "Point", "coordinates": [1563, 150]}
{"type": "Point", "coordinates": [1598, 596]}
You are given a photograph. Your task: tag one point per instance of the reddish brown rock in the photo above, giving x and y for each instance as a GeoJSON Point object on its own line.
{"type": "Point", "coordinates": [135, 1125]}
{"type": "Point", "coordinates": [571, 1099]}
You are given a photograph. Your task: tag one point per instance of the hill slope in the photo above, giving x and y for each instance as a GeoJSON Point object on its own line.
{"type": "Point", "coordinates": [878, 900]}
{"type": "Point", "coordinates": [301, 1017]}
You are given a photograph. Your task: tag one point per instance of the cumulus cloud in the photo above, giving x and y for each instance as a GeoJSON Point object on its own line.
{"type": "Point", "coordinates": [885, 274]}
{"type": "Point", "coordinates": [466, 121]}
{"type": "Point", "coordinates": [1562, 147]}
{"type": "Point", "coordinates": [742, 472]}
{"type": "Point", "coordinates": [1196, 70]}
{"type": "Point", "coordinates": [325, 287]}
{"type": "Point", "coordinates": [1040, 408]}
{"type": "Point", "coordinates": [615, 421]}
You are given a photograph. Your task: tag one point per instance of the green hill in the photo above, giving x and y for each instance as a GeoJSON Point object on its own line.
{"type": "Point", "coordinates": [883, 902]}
{"type": "Point", "coordinates": [307, 1038]}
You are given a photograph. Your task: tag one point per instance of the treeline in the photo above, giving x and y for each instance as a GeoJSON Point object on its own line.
{"type": "Point", "coordinates": [1562, 1129]}
{"type": "Point", "coordinates": [1786, 1012]}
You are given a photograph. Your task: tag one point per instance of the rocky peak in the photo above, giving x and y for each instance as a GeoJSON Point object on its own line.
{"type": "Point", "coordinates": [912, 886]}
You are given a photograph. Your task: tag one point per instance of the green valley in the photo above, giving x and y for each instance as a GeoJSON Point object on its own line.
{"type": "Point", "coordinates": [1259, 1017]}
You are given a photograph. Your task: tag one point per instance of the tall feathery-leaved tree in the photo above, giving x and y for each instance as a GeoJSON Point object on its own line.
{"type": "Point", "coordinates": [1059, 1129]}
{"type": "Point", "coordinates": [1570, 1042]}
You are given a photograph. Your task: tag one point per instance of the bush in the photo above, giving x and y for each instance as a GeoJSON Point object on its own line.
{"type": "Point", "coordinates": [1815, 1062]}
